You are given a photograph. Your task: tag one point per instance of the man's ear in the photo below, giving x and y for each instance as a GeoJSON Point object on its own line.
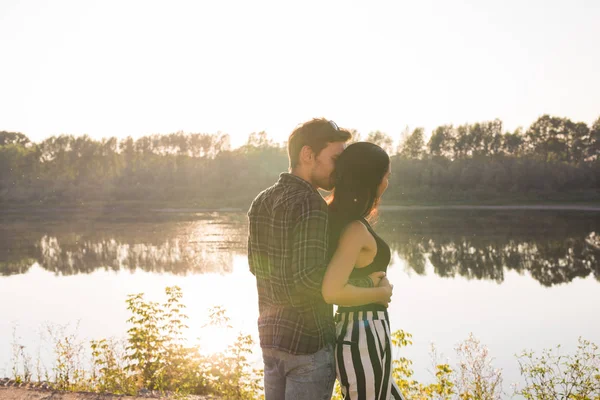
{"type": "Point", "coordinates": [307, 155]}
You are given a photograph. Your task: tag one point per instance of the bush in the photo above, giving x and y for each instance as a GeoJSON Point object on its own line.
{"type": "Point", "coordinates": [561, 376]}
{"type": "Point", "coordinates": [155, 357]}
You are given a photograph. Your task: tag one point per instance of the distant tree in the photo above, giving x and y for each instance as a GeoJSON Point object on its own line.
{"type": "Point", "coordinates": [579, 141]}
{"type": "Point", "coordinates": [7, 138]}
{"type": "Point", "coordinates": [127, 148]}
{"type": "Point", "coordinates": [593, 149]}
{"type": "Point", "coordinates": [259, 140]}
{"type": "Point", "coordinates": [478, 139]}
{"type": "Point", "coordinates": [495, 147]}
{"type": "Point", "coordinates": [381, 139]}
{"type": "Point", "coordinates": [414, 146]}
{"type": "Point", "coordinates": [512, 143]}
{"type": "Point", "coordinates": [471, 162]}
{"type": "Point", "coordinates": [486, 137]}
{"type": "Point", "coordinates": [207, 145]}
{"type": "Point", "coordinates": [441, 142]}
{"type": "Point", "coordinates": [18, 164]}
{"type": "Point", "coordinates": [403, 136]}
{"type": "Point", "coordinates": [554, 138]}
{"type": "Point", "coordinates": [462, 141]}
{"type": "Point", "coordinates": [144, 145]}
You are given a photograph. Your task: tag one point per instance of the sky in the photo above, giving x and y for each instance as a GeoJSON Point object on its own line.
{"type": "Point", "coordinates": [126, 67]}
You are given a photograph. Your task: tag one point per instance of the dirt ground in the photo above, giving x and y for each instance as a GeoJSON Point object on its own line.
{"type": "Point", "coordinates": [17, 393]}
{"type": "Point", "coordinates": [26, 393]}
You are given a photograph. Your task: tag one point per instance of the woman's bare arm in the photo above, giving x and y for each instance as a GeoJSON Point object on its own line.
{"type": "Point", "coordinates": [336, 289]}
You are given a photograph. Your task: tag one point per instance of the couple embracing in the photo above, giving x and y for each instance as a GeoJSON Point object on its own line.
{"type": "Point", "coordinates": [308, 254]}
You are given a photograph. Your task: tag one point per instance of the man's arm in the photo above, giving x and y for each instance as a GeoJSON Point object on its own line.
{"type": "Point", "coordinates": [251, 233]}
{"type": "Point", "coordinates": [309, 252]}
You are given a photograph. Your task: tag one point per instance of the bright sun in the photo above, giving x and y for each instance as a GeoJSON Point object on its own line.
{"type": "Point", "coordinates": [215, 339]}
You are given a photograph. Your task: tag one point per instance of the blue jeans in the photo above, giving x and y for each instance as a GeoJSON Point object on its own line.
{"type": "Point", "coordinates": [295, 377]}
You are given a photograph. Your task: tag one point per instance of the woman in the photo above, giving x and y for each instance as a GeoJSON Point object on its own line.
{"type": "Point", "coordinates": [363, 350]}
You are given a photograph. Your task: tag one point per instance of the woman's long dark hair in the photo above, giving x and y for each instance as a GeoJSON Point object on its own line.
{"type": "Point", "coordinates": [359, 171]}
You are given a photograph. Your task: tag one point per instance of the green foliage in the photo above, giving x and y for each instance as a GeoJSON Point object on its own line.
{"type": "Point", "coordinates": [155, 357]}
{"type": "Point", "coordinates": [146, 349]}
{"type": "Point", "coordinates": [69, 369]}
{"type": "Point", "coordinates": [109, 374]}
{"type": "Point", "coordinates": [381, 139]}
{"type": "Point", "coordinates": [441, 142]}
{"type": "Point", "coordinates": [19, 357]}
{"type": "Point", "coordinates": [467, 163]}
{"type": "Point", "coordinates": [402, 372]}
{"type": "Point", "coordinates": [230, 373]}
{"type": "Point", "coordinates": [7, 138]}
{"type": "Point", "coordinates": [559, 139]}
{"type": "Point", "coordinates": [414, 145]}
{"type": "Point", "coordinates": [476, 379]}
{"type": "Point", "coordinates": [158, 359]}
{"type": "Point", "coordinates": [554, 376]}
{"type": "Point", "coordinates": [593, 149]}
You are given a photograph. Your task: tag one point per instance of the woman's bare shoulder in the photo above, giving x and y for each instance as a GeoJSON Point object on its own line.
{"type": "Point", "coordinates": [355, 231]}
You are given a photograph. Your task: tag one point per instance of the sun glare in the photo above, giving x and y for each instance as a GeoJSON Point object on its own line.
{"type": "Point", "coordinates": [215, 339]}
{"type": "Point", "coordinates": [214, 291]}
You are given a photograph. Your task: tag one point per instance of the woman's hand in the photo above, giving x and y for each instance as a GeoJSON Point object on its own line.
{"type": "Point", "coordinates": [385, 282]}
{"type": "Point", "coordinates": [376, 277]}
{"type": "Point", "coordinates": [381, 282]}
{"type": "Point", "coordinates": [386, 291]}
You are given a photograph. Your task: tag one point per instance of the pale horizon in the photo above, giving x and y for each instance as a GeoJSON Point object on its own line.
{"type": "Point", "coordinates": [138, 68]}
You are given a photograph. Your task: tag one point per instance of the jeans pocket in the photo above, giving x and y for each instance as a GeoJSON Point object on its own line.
{"type": "Point", "coordinates": [301, 364]}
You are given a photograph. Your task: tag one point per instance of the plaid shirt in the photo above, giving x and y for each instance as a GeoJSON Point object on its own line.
{"type": "Point", "coordinates": [287, 252]}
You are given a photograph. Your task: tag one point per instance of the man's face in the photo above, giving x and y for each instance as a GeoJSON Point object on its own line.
{"type": "Point", "coordinates": [322, 172]}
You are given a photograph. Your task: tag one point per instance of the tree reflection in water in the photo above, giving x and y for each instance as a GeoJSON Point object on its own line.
{"type": "Point", "coordinates": [553, 247]}
{"type": "Point", "coordinates": [204, 245]}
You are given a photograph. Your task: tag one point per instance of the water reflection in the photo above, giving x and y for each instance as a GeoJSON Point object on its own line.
{"type": "Point", "coordinates": [206, 245]}
{"type": "Point", "coordinates": [549, 262]}
{"type": "Point", "coordinates": [551, 247]}
{"type": "Point", "coordinates": [173, 255]}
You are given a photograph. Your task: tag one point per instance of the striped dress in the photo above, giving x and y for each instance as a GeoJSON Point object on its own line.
{"type": "Point", "coordinates": [363, 352]}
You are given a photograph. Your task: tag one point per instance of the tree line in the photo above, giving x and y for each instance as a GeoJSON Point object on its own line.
{"type": "Point", "coordinates": [554, 159]}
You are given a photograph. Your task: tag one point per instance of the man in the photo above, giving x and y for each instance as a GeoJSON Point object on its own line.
{"type": "Point", "coordinates": [287, 252]}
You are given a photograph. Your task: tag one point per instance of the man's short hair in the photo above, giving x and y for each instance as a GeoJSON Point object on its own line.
{"type": "Point", "coordinates": [316, 134]}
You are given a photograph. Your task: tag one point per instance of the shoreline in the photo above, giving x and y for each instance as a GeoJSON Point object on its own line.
{"type": "Point", "coordinates": [537, 207]}
{"type": "Point", "coordinates": [10, 390]}
{"type": "Point", "coordinates": [117, 209]}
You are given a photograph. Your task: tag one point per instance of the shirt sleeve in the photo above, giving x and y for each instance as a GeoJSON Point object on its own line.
{"type": "Point", "coordinates": [309, 252]}
{"type": "Point", "coordinates": [250, 258]}
{"type": "Point", "coordinates": [250, 244]}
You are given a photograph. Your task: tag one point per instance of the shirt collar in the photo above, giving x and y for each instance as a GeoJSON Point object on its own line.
{"type": "Point", "coordinates": [285, 178]}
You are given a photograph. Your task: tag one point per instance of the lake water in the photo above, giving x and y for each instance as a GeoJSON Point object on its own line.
{"type": "Point", "coordinates": [516, 279]}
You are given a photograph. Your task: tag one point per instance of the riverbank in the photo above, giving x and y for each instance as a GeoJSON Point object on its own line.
{"type": "Point", "coordinates": [540, 207]}
{"type": "Point", "coordinates": [112, 209]}
{"type": "Point", "coordinates": [9, 390]}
